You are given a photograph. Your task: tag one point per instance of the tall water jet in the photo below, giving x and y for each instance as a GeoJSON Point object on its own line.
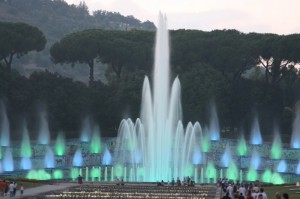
{"type": "Point", "coordinates": [4, 126]}
{"type": "Point", "coordinates": [214, 128]}
{"type": "Point", "coordinates": [60, 144]}
{"type": "Point", "coordinates": [49, 159]}
{"type": "Point", "coordinates": [255, 133]}
{"type": "Point", "coordinates": [95, 146]}
{"type": "Point", "coordinates": [25, 145]}
{"type": "Point", "coordinates": [8, 161]}
{"type": "Point", "coordinates": [276, 150]}
{"type": "Point", "coordinates": [295, 139]}
{"type": "Point", "coordinates": [158, 135]}
{"type": "Point", "coordinates": [86, 130]}
{"type": "Point", "coordinates": [44, 134]}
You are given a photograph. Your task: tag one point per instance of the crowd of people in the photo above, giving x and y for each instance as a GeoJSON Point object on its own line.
{"type": "Point", "coordinates": [245, 190]}
{"type": "Point", "coordinates": [10, 189]}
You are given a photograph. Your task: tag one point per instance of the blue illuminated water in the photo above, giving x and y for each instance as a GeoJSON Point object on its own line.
{"type": "Point", "coordinates": [106, 160]}
{"type": "Point", "coordinates": [49, 158]}
{"type": "Point", "coordinates": [8, 162]}
{"type": "Point", "coordinates": [26, 163]}
{"type": "Point", "coordinates": [77, 159]}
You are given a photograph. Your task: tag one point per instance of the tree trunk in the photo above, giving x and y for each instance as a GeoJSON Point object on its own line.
{"type": "Point", "coordinates": [91, 65]}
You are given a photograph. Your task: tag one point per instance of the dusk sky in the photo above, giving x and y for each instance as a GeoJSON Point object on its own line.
{"type": "Point", "coordinates": [275, 16]}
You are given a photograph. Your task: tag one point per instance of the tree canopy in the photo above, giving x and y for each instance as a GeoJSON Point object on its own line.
{"type": "Point", "coordinates": [19, 39]}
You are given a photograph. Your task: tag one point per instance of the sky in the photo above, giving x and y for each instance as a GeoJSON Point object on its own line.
{"type": "Point", "coordinates": [262, 16]}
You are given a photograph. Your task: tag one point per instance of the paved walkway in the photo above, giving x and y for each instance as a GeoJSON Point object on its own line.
{"type": "Point", "coordinates": [43, 189]}
{"type": "Point", "coordinates": [62, 186]}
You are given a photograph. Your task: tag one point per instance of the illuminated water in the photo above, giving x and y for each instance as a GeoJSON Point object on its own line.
{"type": "Point", "coordinates": [26, 163]}
{"type": "Point", "coordinates": [86, 130]}
{"type": "Point", "coordinates": [158, 136]}
{"type": "Point", "coordinates": [95, 146]}
{"type": "Point", "coordinates": [295, 139]}
{"type": "Point", "coordinates": [25, 145]}
{"type": "Point", "coordinates": [255, 133]}
{"type": "Point", "coordinates": [8, 161]}
{"type": "Point", "coordinates": [276, 150]}
{"type": "Point", "coordinates": [106, 160]}
{"type": "Point", "coordinates": [4, 126]}
{"type": "Point", "coordinates": [49, 158]}
{"type": "Point", "coordinates": [214, 128]}
{"type": "Point", "coordinates": [60, 144]}
{"type": "Point", "coordinates": [242, 147]}
{"type": "Point", "coordinates": [44, 134]}
{"type": "Point", "coordinates": [77, 159]}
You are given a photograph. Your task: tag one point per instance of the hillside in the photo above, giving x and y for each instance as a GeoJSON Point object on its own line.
{"type": "Point", "coordinates": [56, 18]}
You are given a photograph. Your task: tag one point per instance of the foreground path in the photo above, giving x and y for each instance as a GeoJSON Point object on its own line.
{"type": "Point", "coordinates": [32, 192]}
{"type": "Point", "coordinates": [43, 189]}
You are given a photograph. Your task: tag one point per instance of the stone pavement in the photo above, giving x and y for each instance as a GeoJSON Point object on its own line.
{"type": "Point", "coordinates": [43, 189]}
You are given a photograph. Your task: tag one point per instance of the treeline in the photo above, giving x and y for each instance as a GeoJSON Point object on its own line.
{"type": "Point", "coordinates": [56, 18]}
{"type": "Point", "coordinates": [245, 75]}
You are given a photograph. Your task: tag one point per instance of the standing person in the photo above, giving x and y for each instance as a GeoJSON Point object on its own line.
{"type": "Point", "coordinates": [242, 190]}
{"type": "Point", "coordinates": [261, 191]}
{"type": "Point", "coordinates": [3, 185]}
{"type": "Point", "coordinates": [15, 188]}
{"type": "Point", "coordinates": [79, 179]}
{"type": "Point", "coordinates": [11, 189]}
{"type": "Point", "coordinates": [21, 189]}
{"type": "Point", "coordinates": [285, 196]}
{"type": "Point", "coordinates": [230, 190]}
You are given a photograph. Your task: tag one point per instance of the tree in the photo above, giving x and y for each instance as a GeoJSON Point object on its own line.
{"type": "Point", "coordinates": [278, 55]}
{"type": "Point", "coordinates": [19, 39]}
{"type": "Point", "coordinates": [78, 47]}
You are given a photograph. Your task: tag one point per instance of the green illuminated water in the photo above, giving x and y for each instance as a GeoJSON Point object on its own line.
{"type": "Point", "coordinates": [74, 173]}
{"type": "Point", "coordinates": [118, 170]}
{"type": "Point", "coordinates": [188, 170]}
{"type": "Point", "coordinates": [276, 151]}
{"type": "Point", "coordinates": [95, 173]}
{"type": "Point", "coordinates": [58, 174]}
{"type": "Point", "coordinates": [242, 147]}
{"type": "Point", "coordinates": [86, 174]}
{"type": "Point", "coordinates": [252, 174]}
{"type": "Point", "coordinates": [267, 176]}
{"type": "Point", "coordinates": [95, 146]}
{"type": "Point", "coordinates": [40, 174]}
{"type": "Point", "coordinates": [277, 179]}
{"type": "Point", "coordinates": [232, 172]}
{"type": "Point", "coordinates": [206, 143]}
{"type": "Point", "coordinates": [60, 145]}
{"type": "Point", "coordinates": [25, 145]}
{"type": "Point", "coordinates": [210, 171]}
{"type": "Point", "coordinates": [0, 152]}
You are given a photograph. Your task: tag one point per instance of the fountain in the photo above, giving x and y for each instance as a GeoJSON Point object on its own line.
{"type": "Point", "coordinates": [60, 144]}
{"type": "Point", "coordinates": [295, 139]}
{"type": "Point", "coordinates": [226, 158]}
{"type": "Point", "coordinates": [4, 126]}
{"type": "Point", "coordinates": [106, 160]}
{"type": "Point", "coordinates": [214, 128]}
{"type": "Point", "coordinates": [95, 146]}
{"type": "Point", "coordinates": [25, 145]}
{"type": "Point", "coordinates": [77, 159]}
{"type": "Point", "coordinates": [44, 134]}
{"type": "Point", "coordinates": [86, 130]}
{"type": "Point", "coordinates": [276, 150]}
{"type": "Point", "coordinates": [8, 161]}
{"type": "Point", "coordinates": [159, 135]}
{"type": "Point", "coordinates": [255, 133]}
{"type": "Point", "coordinates": [49, 159]}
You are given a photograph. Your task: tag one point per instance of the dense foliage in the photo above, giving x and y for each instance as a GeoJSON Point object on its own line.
{"type": "Point", "coordinates": [246, 75]}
